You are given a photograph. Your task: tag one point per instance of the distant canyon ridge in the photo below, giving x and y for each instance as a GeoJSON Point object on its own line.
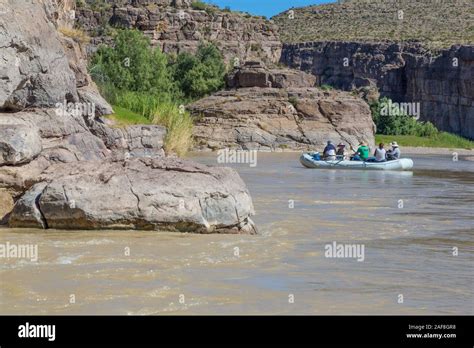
{"type": "Point", "coordinates": [442, 84]}
{"type": "Point", "coordinates": [441, 81]}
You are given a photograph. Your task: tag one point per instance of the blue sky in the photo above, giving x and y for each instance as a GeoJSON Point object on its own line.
{"type": "Point", "coordinates": [267, 8]}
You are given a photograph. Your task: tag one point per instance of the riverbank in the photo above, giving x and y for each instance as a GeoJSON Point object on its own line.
{"type": "Point", "coordinates": [440, 140]}
{"type": "Point", "coordinates": [443, 144]}
{"type": "Point", "coordinates": [412, 150]}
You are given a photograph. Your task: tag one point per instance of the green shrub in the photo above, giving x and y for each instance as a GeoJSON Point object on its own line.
{"type": "Point", "coordinates": [133, 66]}
{"type": "Point", "coordinates": [95, 5]}
{"type": "Point", "coordinates": [327, 87]}
{"type": "Point", "coordinates": [442, 139]}
{"type": "Point", "coordinates": [293, 101]}
{"type": "Point", "coordinates": [143, 81]}
{"type": "Point", "coordinates": [200, 74]}
{"type": "Point", "coordinates": [427, 129]}
{"type": "Point", "coordinates": [211, 10]}
{"type": "Point", "coordinates": [80, 4]}
{"type": "Point", "coordinates": [399, 123]}
{"type": "Point", "coordinates": [199, 6]}
{"type": "Point", "coordinates": [256, 47]}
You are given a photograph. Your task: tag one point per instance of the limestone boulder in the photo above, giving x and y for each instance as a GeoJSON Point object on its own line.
{"type": "Point", "coordinates": [26, 212]}
{"type": "Point", "coordinates": [146, 194]}
{"type": "Point", "coordinates": [18, 144]}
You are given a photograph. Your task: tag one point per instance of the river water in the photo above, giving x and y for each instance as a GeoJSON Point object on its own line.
{"type": "Point", "coordinates": [417, 230]}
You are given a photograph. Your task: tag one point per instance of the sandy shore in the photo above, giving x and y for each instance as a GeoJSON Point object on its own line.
{"type": "Point", "coordinates": [467, 154]}
{"type": "Point", "coordinates": [436, 151]}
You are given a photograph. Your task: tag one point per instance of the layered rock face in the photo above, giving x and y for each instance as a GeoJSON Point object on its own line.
{"type": "Point", "coordinates": [442, 84]}
{"type": "Point", "coordinates": [33, 69]}
{"type": "Point", "coordinates": [63, 167]}
{"type": "Point", "coordinates": [255, 74]}
{"type": "Point", "coordinates": [278, 109]}
{"type": "Point", "coordinates": [175, 26]}
{"type": "Point", "coordinates": [39, 67]}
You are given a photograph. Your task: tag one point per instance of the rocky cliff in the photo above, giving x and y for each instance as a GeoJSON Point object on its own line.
{"type": "Point", "coordinates": [176, 26]}
{"type": "Point", "coordinates": [442, 83]}
{"type": "Point", "coordinates": [277, 109]}
{"type": "Point", "coordinates": [41, 67]}
{"type": "Point", "coordinates": [63, 167]}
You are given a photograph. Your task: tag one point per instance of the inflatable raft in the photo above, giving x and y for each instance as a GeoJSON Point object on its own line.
{"type": "Point", "coordinates": [309, 161]}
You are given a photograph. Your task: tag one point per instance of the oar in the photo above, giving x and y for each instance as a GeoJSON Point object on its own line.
{"type": "Point", "coordinates": [336, 164]}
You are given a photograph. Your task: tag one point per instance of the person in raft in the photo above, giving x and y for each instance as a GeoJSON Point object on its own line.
{"type": "Point", "coordinates": [329, 152]}
{"type": "Point", "coordinates": [394, 153]}
{"type": "Point", "coordinates": [362, 153]}
{"type": "Point", "coordinates": [380, 153]}
{"type": "Point", "coordinates": [341, 151]}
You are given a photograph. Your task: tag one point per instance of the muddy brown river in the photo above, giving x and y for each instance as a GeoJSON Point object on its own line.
{"type": "Point", "coordinates": [416, 229]}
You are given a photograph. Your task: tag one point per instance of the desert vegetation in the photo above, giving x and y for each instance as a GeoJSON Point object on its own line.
{"type": "Point", "coordinates": [441, 140]}
{"type": "Point", "coordinates": [437, 24]}
{"type": "Point", "coordinates": [146, 84]}
{"type": "Point", "coordinates": [77, 35]}
{"type": "Point", "coordinates": [399, 123]}
{"type": "Point", "coordinates": [410, 132]}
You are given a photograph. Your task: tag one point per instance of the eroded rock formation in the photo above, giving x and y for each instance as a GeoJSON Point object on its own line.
{"type": "Point", "coordinates": [275, 109]}
{"type": "Point", "coordinates": [65, 168]}
{"type": "Point", "coordinates": [441, 83]}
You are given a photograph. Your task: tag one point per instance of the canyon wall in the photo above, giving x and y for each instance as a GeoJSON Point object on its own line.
{"type": "Point", "coordinates": [442, 83]}
{"type": "Point", "coordinates": [176, 26]}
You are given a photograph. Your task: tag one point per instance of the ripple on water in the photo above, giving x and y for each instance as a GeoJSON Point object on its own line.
{"type": "Point", "coordinates": [408, 250]}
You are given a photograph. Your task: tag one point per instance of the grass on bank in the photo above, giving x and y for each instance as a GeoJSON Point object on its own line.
{"type": "Point", "coordinates": [442, 139]}
{"type": "Point", "coordinates": [179, 125]}
{"type": "Point", "coordinates": [124, 117]}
